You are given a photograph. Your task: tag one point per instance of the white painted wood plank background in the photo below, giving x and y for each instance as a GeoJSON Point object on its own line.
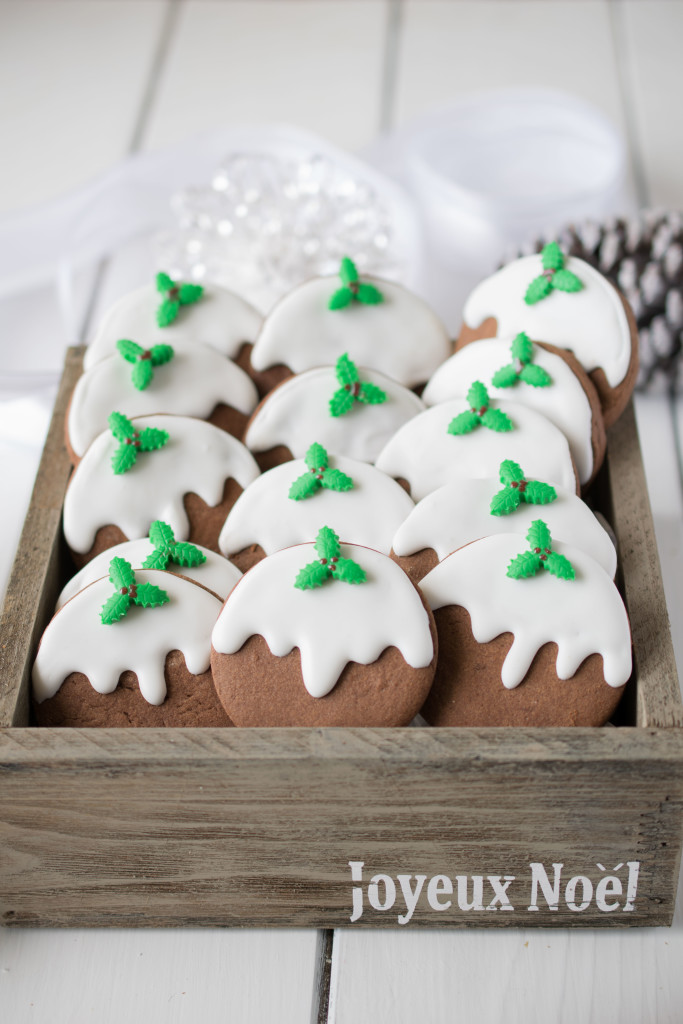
{"type": "Point", "coordinates": [86, 83]}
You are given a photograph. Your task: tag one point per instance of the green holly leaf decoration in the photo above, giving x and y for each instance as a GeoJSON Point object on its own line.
{"type": "Point", "coordinates": [342, 298]}
{"type": "Point", "coordinates": [144, 360]}
{"type": "Point", "coordinates": [161, 535]}
{"type": "Point", "coordinates": [167, 548]}
{"type": "Point", "coordinates": [123, 459]}
{"type": "Point", "coordinates": [560, 566]}
{"type": "Point", "coordinates": [535, 375]}
{"type": "Point", "coordinates": [510, 471]}
{"type": "Point", "coordinates": [538, 493]}
{"type": "Point", "coordinates": [541, 556]}
{"type": "Point", "coordinates": [330, 565]}
{"type": "Point", "coordinates": [496, 419]}
{"type": "Point", "coordinates": [120, 426]}
{"type": "Point", "coordinates": [479, 414]}
{"type": "Point", "coordinates": [157, 559]}
{"type": "Point", "coordinates": [114, 608]}
{"type": "Point", "coordinates": [186, 554]}
{"type": "Point", "coordinates": [522, 348]}
{"type": "Point", "coordinates": [304, 486]}
{"type": "Point", "coordinates": [518, 489]}
{"type": "Point", "coordinates": [320, 475]}
{"type": "Point", "coordinates": [121, 573]}
{"type": "Point", "coordinates": [523, 566]}
{"type": "Point", "coordinates": [348, 272]}
{"type": "Point", "coordinates": [368, 294]}
{"type": "Point", "coordinates": [539, 534]}
{"type": "Point", "coordinates": [478, 397]}
{"type": "Point", "coordinates": [352, 389]}
{"type": "Point", "coordinates": [142, 374]}
{"type": "Point", "coordinates": [335, 480]}
{"type": "Point", "coordinates": [505, 377]}
{"type": "Point", "coordinates": [316, 457]}
{"type": "Point", "coordinates": [128, 592]}
{"type": "Point", "coordinates": [132, 441]}
{"type": "Point", "coordinates": [554, 276]}
{"type": "Point", "coordinates": [130, 350]}
{"type": "Point", "coordinates": [463, 423]}
{"type": "Point", "coordinates": [174, 295]}
{"type": "Point", "coordinates": [150, 596]}
{"type": "Point", "coordinates": [505, 501]}
{"type": "Point", "coordinates": [353, 290]}
{"type": "Point", "coordinates": [151, 438]}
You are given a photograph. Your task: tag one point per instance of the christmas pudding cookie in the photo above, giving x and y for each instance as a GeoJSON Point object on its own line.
{"type": "Point", "coordinates": [378, 323]}
{"type": "Point", "coordinates": [349, 410]}
{"type": "Point", "coordinates": [324, 634]}
{"type": "Point", "coordinates": [459, 439]}
{"type": "Point", "coordinates": [186, 380]}
{"type": "Point", "coordinates": [132, 648]}
{"type": "Point", "coordinates": [160, 551]}
{"type": "Point", "coordinates": [565, 302]}
{"type": "Point", "coordinates": [547, 379]}
{"type": "Point", "coordinates": [286, 505]}
{"type": "Point", "coordinates": [531, 632]}
{"type": "Point", "coordinates": [183, 471]}
{"type": "Point", "coordinates": [171, 312]}
{"type": "Point", "coordinates": [461, 512]}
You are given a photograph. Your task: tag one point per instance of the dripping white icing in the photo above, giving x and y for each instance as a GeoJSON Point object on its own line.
{"type": "Point", "coordinates": [459, 513]}
{"type": "Point", "coordinates": [191, 384]}
{"type": "Point", "coordinates": [299, 410]}
{"type": "Point", "coordinates": [332, 624]}
{"type": "Point", "coordinates": [367, 514]}
{"type": "Point", "coordinates": [591, 322]}
{"type": "Point", "coordinates": [198, 458]}
{"type": "Point", "coordinates": [216, 573]}
{"type": "Point", "coordinates": [400, 336]}
{"type": "Point", "coordinates": [564, 402]}
{"type": "Point", "coordinates": [219, 319]}
{"type": "Point", "coordinates": [427, 456]}
{"type": "Point", "coordinates": [582, 616]}
{"type": "Point", "coordinates": [77, 641]}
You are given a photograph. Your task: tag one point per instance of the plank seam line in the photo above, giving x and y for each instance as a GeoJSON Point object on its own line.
{"type": "Point", "coordinates": [321, 981]}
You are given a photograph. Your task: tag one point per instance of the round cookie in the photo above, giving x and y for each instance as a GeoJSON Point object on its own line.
{"type": "Point", "coordinates": [299, 410]}
{"type": "Point", "coordinates": [594, 322]}
{"type": "Point", "coordinates": [459, 513]}
{"type": "Point", "coordinates": [219, 319]}
{"type": "Point", "coordinates": [356, 649]}
{"type": "Point", "coordinates": [536, 651]}
{"type": "Point", "coordinates": [195, 381]}
{"type": "Point", "coordinates": [149, 668]}
{"type": "Point", "coordinates": [558, 387]}
{"type": "Point", "coordinates": [286, 505]}
{"type": "Point", "coordinates": [426, 455]}
{"type": "Point", "coordinates": [379, 324]}
{"type": "Point", "coordinates": [191, 482]}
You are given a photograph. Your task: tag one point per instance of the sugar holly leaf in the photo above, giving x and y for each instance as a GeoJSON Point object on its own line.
{"type": "Point", "coordinates": [152, 438]}
{"type": "Point", "coordinates": [120, 426]}
{"type": "Point", "coordinates": [157, 559]}
{"type": "Point", "coordinates": [340, 299]}
{"type": "Point", "coordinates": [164, 283]}
{"type": "Point", "coordinates": [143, 372]}
{"type": "Point", "coordinates": [537, 290]}
{"type": "Point", "coordinates": [522, 348]}
{"type": "Point", "coordinates": [560, 566]}
{"type": "Point", "coordinates": [565, 281]}
{"type": "Point", "coordinates": [347, 271]}
{"type": "Point", "coordinates": [496, 419]}
{"type": "Point", "coordinates": [464, 423]}
{"type": "Point", "coordinates": [505, 501]}
{"type": "Point", "coordinates": [189, 555]}
{"type": "Point", "coordinates": [114, 608]}
{"type": "Point", "coordinates": [316, 457]}
{"type": "Point", "coordinates": [524, 565]}
{"type": "Point", "coordinates": [150, 596]}
{"type": "Point", "coordinates": [167, 312]}
{"type": "Point", "coordinates": [341, 402]}
{"type": "Point", "coordinates": [123, 458]}
{"type": "Point", "coordinates": [349, 571]}
{"type": "Point", "coordinates": [121, 573]}
{"type": "Point", "coordinates": [345, 370]}
{"type": "Point", "coordinates": [368, 294]}
{"type": "Point", "coordinates": [539, 535]}
{"type": "Point", "coordinates": [335, 480]}
{"type": "Point", "coordinates": [161, 354]}
{"type": "Point", "coordinates": [535, 375]}
{"type": "Point", "coordinates": [327, 543]}
{"type": "Point", "coordinates": [538, 493]}
{"type": "Point", "coordinates": [505, 377]}
{"type": "Point", "coordinates": [371, 394]}
{"type": "Point", "coordinates": [189, 293]}
{"type": "Point", "coordinates": [552, 256]}
{"type": "Point", "coordinates": [161, 535]}
{"type": "Point", "coordinates": [130, 350]}
{"type": "Point", "coordinates": [304, 486]}
{"type": "Point", "coordinates": [478, 396]}
{"type": "Point", "coordinates": [510, 471]}
{"type": "Point", "coordinates": [312, 575]}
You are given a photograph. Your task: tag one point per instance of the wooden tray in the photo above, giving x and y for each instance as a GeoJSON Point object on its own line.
{"type": "Point", "coordinates": [314, 827]}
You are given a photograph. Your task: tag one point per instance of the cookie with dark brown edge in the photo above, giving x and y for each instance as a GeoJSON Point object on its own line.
{"type": "Point", "coordinates": [530, 633]}
{"type": "Point", "coordinates": [181, 470]}
{"type": "Point", "coordinates": [547, 379]}
{"type": "Point", "coordinates": [565, 302]}
{"type": "Point", "coordinates": [132, 649]}
{"type": "Point", "coordinates": [184, 380]}
{"type": "Point", "coordinates": [324, 634]}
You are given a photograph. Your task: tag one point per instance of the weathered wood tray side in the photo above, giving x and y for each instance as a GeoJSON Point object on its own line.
{"type": "Point", "coordinates": [316, 827]}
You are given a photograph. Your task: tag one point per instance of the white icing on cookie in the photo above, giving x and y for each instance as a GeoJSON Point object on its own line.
{"type": "Point", "coordinates": [219, 319]}
{"type": "Point", "coordinates": [582, 616]}
{"type": "Point", "coordinates": [332, 624]}
{"type": "Point", "coordinates": [591, 322]}
{"type": "Point", "coordinates": [77, 641]}
{"type": "Point", "coordinates": [299, 410]}
{"type": "Point", "coordinates": [400, 336]}
{"type": "Point", "coordinates": [459, 513]}
{"type": "Point", "coordinates": [216, 572]}
{"type": "Point", "coordinates": [198, 458]}
{"type": "Point", "coordinates": [427, 456]}
{"type": "Point", "coordinates": [368, 514]}
{"type": "Point", "coordinates": [192, 383]}
{"type": "Point", "coordinates": [564, 402]}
